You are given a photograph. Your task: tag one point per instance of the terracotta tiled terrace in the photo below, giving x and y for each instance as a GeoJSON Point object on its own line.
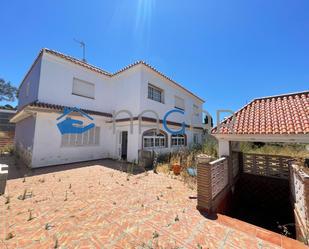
{"type": "Point", "coordinates": [92, 205]}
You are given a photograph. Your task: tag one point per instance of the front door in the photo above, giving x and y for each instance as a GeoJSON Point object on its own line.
{"type": "Point", "coordinates": [124, 145]}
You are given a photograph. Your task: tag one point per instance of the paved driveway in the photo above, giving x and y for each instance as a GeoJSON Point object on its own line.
{"type": "Point", "coordinates": [93, 206]}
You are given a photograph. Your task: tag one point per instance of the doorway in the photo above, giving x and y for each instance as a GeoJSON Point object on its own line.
{"type": "Point", "coordinates": [124, 145]}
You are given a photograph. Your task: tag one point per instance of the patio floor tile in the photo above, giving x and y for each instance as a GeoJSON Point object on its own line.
{"type": "Point", "coordinates": [91, 205]}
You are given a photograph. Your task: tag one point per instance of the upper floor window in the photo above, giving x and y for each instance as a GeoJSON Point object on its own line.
{"type": "Point", "coordinates": [155, 93]}
{"type": "Point", "coordinates": [196, 110]}
{"type": "Point", "coordinates": [27, 88]}
{"type": "Point", "coordinates": [179, 103]}
{"type": "Point", "coordinates": [83, 88]}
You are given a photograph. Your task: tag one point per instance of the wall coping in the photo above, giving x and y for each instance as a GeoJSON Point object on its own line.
{"type": "Point", "coordinates": [203, 158]}
{"type": "Point", "coordinates": [218, 161]}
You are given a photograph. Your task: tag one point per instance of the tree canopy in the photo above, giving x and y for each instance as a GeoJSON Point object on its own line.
{"type": "Point", "coordinates": [7, 91]}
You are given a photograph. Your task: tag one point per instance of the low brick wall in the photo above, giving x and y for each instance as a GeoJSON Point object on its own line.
{"type": "Point", "coordinates": [213, 188]}
{"type": "Point", "coordinates": [6, 138]}
{"type": "Point", "coordinates": [300, 196]}
{"type": "Point", "coordinates": [204, 192]}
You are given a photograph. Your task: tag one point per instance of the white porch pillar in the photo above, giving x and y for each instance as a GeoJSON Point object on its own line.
{"type": "Point", "coordinates": [224, 148]}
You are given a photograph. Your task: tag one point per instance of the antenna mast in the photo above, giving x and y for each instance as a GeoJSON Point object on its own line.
{"type": "Point", "coordinates": [83, 45]}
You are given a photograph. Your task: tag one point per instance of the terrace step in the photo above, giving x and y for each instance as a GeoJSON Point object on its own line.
{"type": "Point", "coordinates": [261, 233]}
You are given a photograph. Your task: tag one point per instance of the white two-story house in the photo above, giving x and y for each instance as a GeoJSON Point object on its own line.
{"type": "Point", "coordinates": [126, 108]}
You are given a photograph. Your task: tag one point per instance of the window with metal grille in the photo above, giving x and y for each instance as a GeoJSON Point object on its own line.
{"type": "Point", "coordinates": [87, 138]}
{"type": "Point", "coordinates": [155, 93]}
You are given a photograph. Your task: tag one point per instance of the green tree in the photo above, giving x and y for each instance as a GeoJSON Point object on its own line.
{"type": "Point", "coordinates": [7, 91]}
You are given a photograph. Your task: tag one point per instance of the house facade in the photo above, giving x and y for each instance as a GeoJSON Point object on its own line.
{"type": "Point", "coordinates": [128, 108]}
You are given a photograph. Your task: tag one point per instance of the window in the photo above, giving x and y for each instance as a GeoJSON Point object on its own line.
{"type": "Point", "coordinates": [153, 140]}
{"type": "Point", "coordinates": [27, 89]}
{"type": "Point", "coordinates": [178, 140]}
{"type": "Point", "coordinates": [195, 138]}
{"type": "Point", "coordinates": [196, 110]}
{"type": "Point", "coordinates": [179, 103]}
{"type": "Point", "coordinates": [88, 138]}
{"type": "Point", "coordinates": [83, 88]}
{"type": "Point", "coordinates": [155, 93]}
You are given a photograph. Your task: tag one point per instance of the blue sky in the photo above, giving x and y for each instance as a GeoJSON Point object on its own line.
{"type": "Point", "coordinates": [227, 52]}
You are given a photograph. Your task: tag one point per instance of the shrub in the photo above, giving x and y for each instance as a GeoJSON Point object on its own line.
{"type": "Point", "coordinates": [8, 149]}
{"type": "Point", "coordinates": [210, 146]}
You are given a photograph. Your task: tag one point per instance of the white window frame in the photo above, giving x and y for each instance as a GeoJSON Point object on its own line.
{"type": "Point", "coordinates": [178, 140]}
{"type": "Point", "coordinates": [88, 138]}
{"type": "Point", "coordinates": [153, 92]}
{"type": "Point", "coordinates": [156, 140]}
{"type": "Point", "coordinates": [196, 138]}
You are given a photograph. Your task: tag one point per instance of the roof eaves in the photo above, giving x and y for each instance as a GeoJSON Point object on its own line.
{"type": "Point", "coordinates": [76, 61]}
{"type": "Point", "coordinates": [101, 71]}
{"type": "Point", "coordinates": [158, 72]}
{"type": "Point", "coordinates": [282, 95]}
{"type": "Point", "coordinates": [31, 67]}
{"type": "Point", "coordinates": [61, 107]}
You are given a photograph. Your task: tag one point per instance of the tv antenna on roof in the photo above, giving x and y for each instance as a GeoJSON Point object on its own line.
{"type": "Point", "coordinates": [83, 45]}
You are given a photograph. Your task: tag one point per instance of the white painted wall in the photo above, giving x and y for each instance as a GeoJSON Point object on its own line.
{"type": "Point", "coordinates": [57, 81]}
{"type": "Point", "coordinates": [47, 149]}
{"type": "Point", "coordinates": [224, 147]}
{"type": "Point", "coordinates": [127, 90]}
{"type": "Point", "coordinates": [170, 90]}
{"type": "Point", "coordinates": [32, 82]}
{"type": "Point", "coordinates": [24, 132]}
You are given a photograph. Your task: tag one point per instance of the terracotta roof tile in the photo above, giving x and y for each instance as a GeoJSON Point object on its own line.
{"type": "Point", "coordinates": [282, 114]}
{"type": "Point", "coordinates": [61, 108]}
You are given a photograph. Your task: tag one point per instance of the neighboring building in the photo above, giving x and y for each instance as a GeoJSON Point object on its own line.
{"type": "Point", "coordinates": [281, 118]}
{"type": "Point", "coordinates": [7, 129]}
{"type": "Point", "coordinates": [56, 81]}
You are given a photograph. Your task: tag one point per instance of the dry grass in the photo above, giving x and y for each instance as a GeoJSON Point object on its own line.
{"type": "Point", "coordinates": [292, 150]}
{"type": "Point", "coordinates": [163, 168]}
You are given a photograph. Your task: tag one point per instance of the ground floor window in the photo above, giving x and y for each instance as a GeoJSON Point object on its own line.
{"type": "Point", "coordinates": [196, 138]}
{"type": "Point", "coordinates": [88, 138]}
{"type": "Point", "coordinates": [153, 140]}
{"type": "Point", "coordinates": [178, 140]}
